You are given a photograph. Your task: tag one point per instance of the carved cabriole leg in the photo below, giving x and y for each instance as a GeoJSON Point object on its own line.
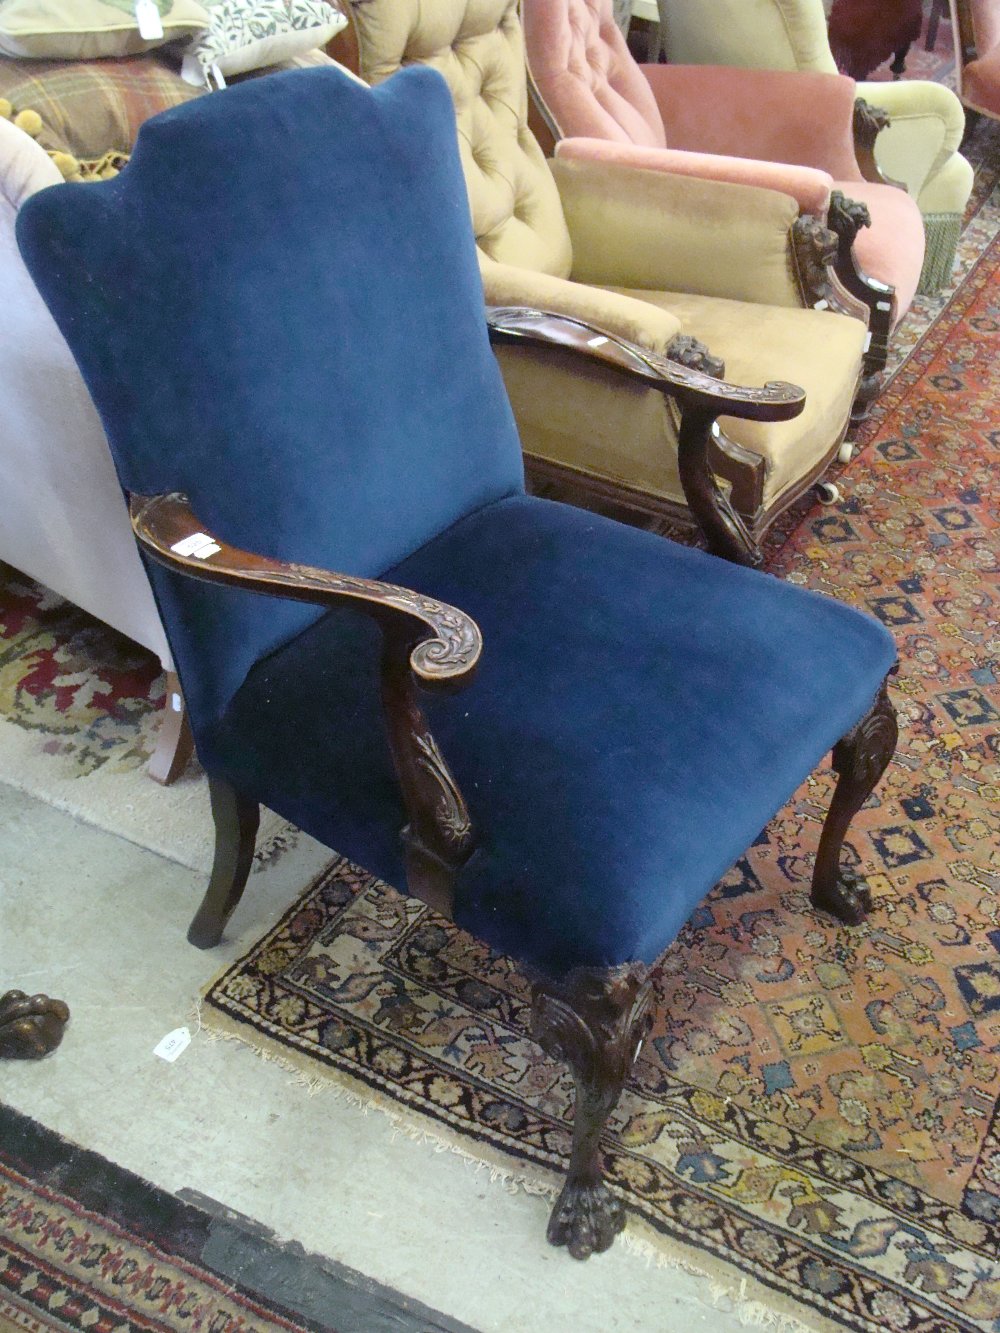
{"type": "Point", "coordinates": [236, 820]}
{"type": "Point", "coordinates": [726, 533]}
{"type": "Point", "coordinates": [595, 1020]}
{"type": "Point", "coordinates": [439, 836]}
{"type": "Point", "coordinates": [859, 759]}
{"type": "Point", "coordinates": [30, 1025]}
{"type": "Point", "coordinates": [174, 741]}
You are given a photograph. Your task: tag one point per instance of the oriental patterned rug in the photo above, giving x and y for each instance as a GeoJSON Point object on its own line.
{"type": "Point", "coordinates": [86, 1247]}
{"type": "Point", "coordinates": [818, 1110]}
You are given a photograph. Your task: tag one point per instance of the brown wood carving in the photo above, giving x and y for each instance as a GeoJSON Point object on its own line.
{"type": "Point", "coordinates": [595, 1020]}
{"type": "Point", "coordinates": [439, 836]}
{"type": "Point", "coordinates": [869, 122]}
{"type": "Point", "coordinates": [846, 218]}
{"type": "Point", "coordinates": [448, 642]}
{"type": "Point", "coordinates": [700, 395]}
{"type": "Point", "coordinates": [815, 248]}
{"type": "Point", "coordinates": [859, 759]}
{"type": "Point", "coordinates": [425, 642]}
{"type": "Point", "coordinates": [30, 1025]}
{"type": "Point", "coordinates": [688, 351]}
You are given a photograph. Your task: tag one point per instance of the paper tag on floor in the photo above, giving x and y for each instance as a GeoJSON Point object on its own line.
{"type": "Point", "coordinates": [173, 1045]}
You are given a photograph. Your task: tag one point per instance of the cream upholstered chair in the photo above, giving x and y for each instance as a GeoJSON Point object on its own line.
{"type": "Point", "coordinates": [604, 107]}
{"type": "Point", "coordinates": [975, 26]}
{"type": "Point", "coordinates": [655, 258]}
{"type": "Point", "coordinates": [63, 520]}
{"type": "Point", "coordinates": [920, 146]}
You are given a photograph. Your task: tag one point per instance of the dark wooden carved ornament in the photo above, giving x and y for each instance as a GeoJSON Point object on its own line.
{"type": "Point", "coordinates": [595, 1020]}
{"type": "Point", "coordinates": [690, 375]}
{"type": "Point", "coordinates": [869, 122]}
{"type": "Point", "coordinates": [30, 1025]}
{"type": "Point", "coordinates": [859, 759]}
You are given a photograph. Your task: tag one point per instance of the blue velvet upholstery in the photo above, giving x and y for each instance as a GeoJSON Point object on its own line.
{"type": "Point", "coordinates": [640, 712]}
{"type": "Point", "coordinates": [278, 311]}
{"type": "Point", "coordinates": [268, 306]}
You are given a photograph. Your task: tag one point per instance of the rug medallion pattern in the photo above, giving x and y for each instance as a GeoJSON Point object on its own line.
{"type": "Point", "coordinates": [817, 1105]}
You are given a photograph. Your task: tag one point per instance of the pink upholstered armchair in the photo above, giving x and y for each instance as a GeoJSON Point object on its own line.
{"type": "Point", "coordinates": [975, 25]}
{"type": "Point", "coordinates": [793, 132]}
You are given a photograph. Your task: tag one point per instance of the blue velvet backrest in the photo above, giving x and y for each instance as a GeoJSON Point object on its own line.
{"type": "Point", "coordinates": [278, 311]}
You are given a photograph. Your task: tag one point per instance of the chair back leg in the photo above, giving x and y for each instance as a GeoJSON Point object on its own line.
{"type": "Point", "coordinates": [595, 1020]}
{"type": "Point", "coordinates": [174, 741]}
{"type": "Point", "coordinates": [859, 759]}
{"type": "Point", "coordinates": [236, 820]}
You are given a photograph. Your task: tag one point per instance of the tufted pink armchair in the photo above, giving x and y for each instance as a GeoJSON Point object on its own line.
{"type": "Point", "coordinates": [787, 131]}
{"type": "Point", "coordinates": [976, 28]}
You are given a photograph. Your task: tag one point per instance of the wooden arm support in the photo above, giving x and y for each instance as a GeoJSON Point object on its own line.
{"type": "Point", "coordinates": [449, 641]}
{"type": "Point", "coordinates": [425, 642]}
{"type": "Point", "coordinates": [869, 122]}
{"type": "Point", "coordinates": [688, 374]}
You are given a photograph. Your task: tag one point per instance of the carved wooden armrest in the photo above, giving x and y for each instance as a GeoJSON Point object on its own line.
{"type": "Point", "coordinates": [869, 122]}
{"type": "Point", "coordinates": [687, 371]}
{"type": "Point", "coordinates": [449, 641]}
{"type": "Point", "coordinates": [423, 640]}
{"type": "Point", "coordinates": [689, 374]}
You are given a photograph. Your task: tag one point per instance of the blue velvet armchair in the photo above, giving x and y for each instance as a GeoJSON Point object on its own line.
{"type": "Point", "coordinates": [558, 729]}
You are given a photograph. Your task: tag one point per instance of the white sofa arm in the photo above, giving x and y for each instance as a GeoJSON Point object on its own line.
{"type": "Point", "coordinates": [63, 519]}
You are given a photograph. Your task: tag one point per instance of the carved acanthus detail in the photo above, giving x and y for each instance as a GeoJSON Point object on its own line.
{"type": "Point", "coordinates": [595, 1020]}
{"type": "Point", "coordinates": [862, 755]}
{"type": "Point", "coordinates": [452, 815]}
{"type": "Point", "coordinates": [847, 217]}
{"type": "Point", "coordinates": [869, 122]}
{"type": "Point", "coordinates": [815, 248]}
{"type": "Point", "coordinates": [30, 1025]}
{"type": "Point", "coordinates": [689, 352]}
{"type": "Point", "coordinates": [859, 759]}
{"type": "Point", "coordinates": [449, 651]}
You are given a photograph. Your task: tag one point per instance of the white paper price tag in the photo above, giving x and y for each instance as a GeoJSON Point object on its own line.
{"type": "Point", "coordinates": [174, 1044]}
{"type": "Point", "coordinates": [148, 18]}
{"type": "Point", "coordinates": [199, 545]}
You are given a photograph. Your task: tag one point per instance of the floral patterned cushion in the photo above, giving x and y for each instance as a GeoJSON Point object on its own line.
{"type": "Point", "coordinates": [248, 34]}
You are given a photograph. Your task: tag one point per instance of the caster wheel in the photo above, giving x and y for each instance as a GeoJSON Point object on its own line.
{"type": "Point", "coordinates": [827, 493]}
{"type": "Point", "coordinates": [846, 452]}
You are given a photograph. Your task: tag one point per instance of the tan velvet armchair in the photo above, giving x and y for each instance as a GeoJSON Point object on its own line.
{"type": "Point", "coordinates": [703, 272]}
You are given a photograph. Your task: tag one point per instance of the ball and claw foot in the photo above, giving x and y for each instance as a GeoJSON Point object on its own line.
{"type": "Point", "coordinates": [30, 1025]}
{"type": "Point", "coordinates": [849, 898]}
{"type": "Point", "coordinates": [586, 1219]}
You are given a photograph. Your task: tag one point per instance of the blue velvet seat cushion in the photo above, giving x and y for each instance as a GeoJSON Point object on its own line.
{"type": "Point", "coordinates": [640, 712]}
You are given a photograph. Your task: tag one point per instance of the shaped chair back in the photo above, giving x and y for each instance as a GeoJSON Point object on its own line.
{"type": "Point", "coordinates": [764, 34]}
{"type": "Point", "coordinates": [330, 396]}
{"type": "Point", "coordinates": [585, 73]}
{"type": "Point", "coordinates": [479, 49]}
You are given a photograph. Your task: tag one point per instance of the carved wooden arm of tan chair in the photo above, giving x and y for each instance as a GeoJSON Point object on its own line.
{"type": "Point", "coordinates": [425, 642]}
{"type": "Point", "coordinates": [693, 379]}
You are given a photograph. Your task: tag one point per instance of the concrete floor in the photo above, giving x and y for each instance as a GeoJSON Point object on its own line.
{"type": "Point", "coordinates": [100, 923]}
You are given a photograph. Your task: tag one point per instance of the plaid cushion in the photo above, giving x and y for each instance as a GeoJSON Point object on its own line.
{"type": "Point", "coordinates": [90, 108]}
